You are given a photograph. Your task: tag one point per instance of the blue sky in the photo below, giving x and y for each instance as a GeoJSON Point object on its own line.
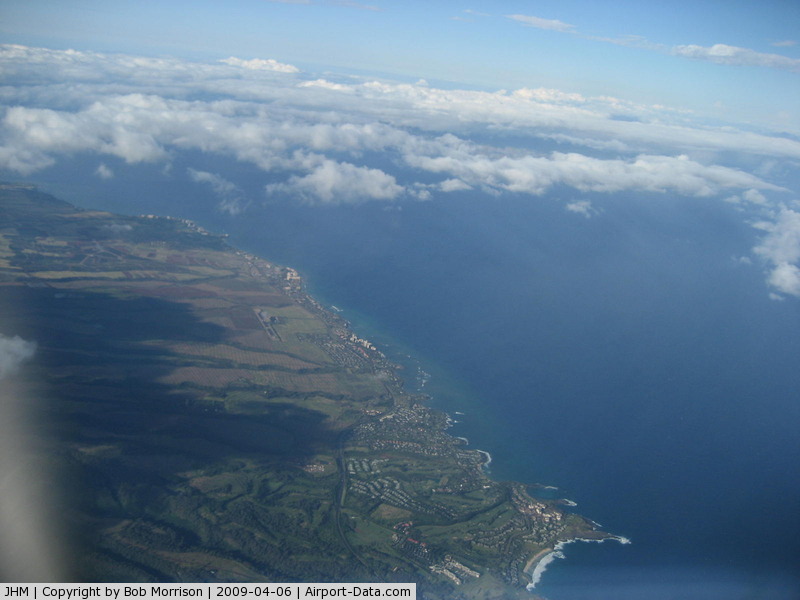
{"type": "Point", "coordinates": [633, 50]}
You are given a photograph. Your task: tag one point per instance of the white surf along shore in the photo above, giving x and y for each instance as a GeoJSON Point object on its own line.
{"type": "Point", "coordinates": [539, 562]}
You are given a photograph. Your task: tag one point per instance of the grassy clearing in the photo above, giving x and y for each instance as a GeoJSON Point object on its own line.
{"type": "Point", "coordinates": [391, 514]}
{"type": "Point", "coordinates": [291, 327]}
{"type": "Point", "coordinates": [226, 352]}
{"type": "Point", "coordinates": [210, 271]}
{"type": "Point", "coordinates": [78, 274]}
{"type": "Point", "coordinates": [205, 377]}
{"type": "Point", "coordinates": [161, 275]}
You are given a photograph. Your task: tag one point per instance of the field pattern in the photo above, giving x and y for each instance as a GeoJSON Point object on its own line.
{"type": "Point", "coordinates": [217, 424]}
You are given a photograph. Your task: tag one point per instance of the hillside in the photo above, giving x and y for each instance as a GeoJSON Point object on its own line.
{"type": "Point", "coordinates": [217, 424]}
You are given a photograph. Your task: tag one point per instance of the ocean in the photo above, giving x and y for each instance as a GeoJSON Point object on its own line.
{"type": "Point", "coordinates": [634, 360]}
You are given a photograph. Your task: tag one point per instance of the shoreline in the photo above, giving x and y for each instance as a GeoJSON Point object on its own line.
{"type": "Point", "coordinates": [533, 560]}
{"type": "Point", "coordinates": [485, 465]}
{"type": "Point", "coordinates": [391, 365]}
{"type": "Point", "coordinates": [399, 421]}
{"type": "Point", "coordinates": [538, 563]}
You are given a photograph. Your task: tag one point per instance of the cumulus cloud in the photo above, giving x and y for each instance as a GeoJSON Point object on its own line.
{"type": "Point", "coordinates": [123, 128]}
{"type": "Point", "coordinates": [345, 140]}
{"type": "Point", "coordinates": [538, 174]}
{"type": "Point", "coordinates": [724, 54]}
{"type": "Point", "coordinates": [582, 207]}
{"type": "Point", "coordinates": [332, 182]}
{"type": "Point", "coordinates": [320, 134]}
{"type": "Point", "coordinates": [141, 128]}
{"type": "Point", "coordinates": [780, 248]}
{"type": "Point", "coordinates": [539, 23]}
{"type": "Point", "coordinates": [754, 197]}
{"type": "Point", "coordinates": [218, 183]}
{"type": "Point", "coordinates": [454, 185]}
{"type": "Point", "coordinates": [549, 95]}
{"type": "Point", "coordinates": [71, 81]}
{"type": "Point", "coordinates": [231, 198]}
{"type": "Point", "coordinates": [593, 122]}
{"type": "Point", "coordinates": [261, 64]}
{"type": "Point", "coordinates": [785, 278]}
{"type": "Point", "coordinates": [322, 83]}
{"type": "Point", "coordinates": [750, 196]}
{"type": "Point", "coordinates": [103, 172]}
{"type": "Point", "coordinates": [13, 352]}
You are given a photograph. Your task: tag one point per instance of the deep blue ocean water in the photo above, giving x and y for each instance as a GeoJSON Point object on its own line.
{"type": "Point", "coordinates": [630, 359]}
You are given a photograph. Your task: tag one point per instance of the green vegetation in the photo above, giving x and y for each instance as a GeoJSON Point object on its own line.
{"type": "Point", "coordinates": [220, 425]}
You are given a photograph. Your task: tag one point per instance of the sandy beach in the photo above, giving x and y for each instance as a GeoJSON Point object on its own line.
{"type": "Point", "coordinates": [531, 564]}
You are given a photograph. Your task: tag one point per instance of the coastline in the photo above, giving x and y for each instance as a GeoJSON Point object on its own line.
{"type": "Point", "coordinates": [535, 559]}
{"type": "Point", "coordinates": [488, 457]}
{"type": "Point", "coordinates": [388, 423]}
{"type": "Point", "coordinates": [538, 563]}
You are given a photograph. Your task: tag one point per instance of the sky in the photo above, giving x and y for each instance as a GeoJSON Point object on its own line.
{"type": "Point", "coordinates": [343, 102]}
{"type": "Point", "coordinates": [732, 59]}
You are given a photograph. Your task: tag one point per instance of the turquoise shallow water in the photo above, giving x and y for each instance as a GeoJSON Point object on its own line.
{"type": "Point", "coordinates": [633, 363]}
{"type": "Point", "coordinates": [632, 360]}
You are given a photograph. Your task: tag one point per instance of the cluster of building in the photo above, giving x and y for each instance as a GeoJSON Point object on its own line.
{"type": "Point", "coordinates": [314, 468]}
{"type": "Point", "coordinates": [342, 354]}
{"type": "Point", "coordinates": [191, 225]}
{"type": "Point", "coordinates": [414, 429]}
{"type": "Point", "coordinates": [533, 508]}
{"type": "Point", "coordinates": [259, 268]}
{"type": "Point", "coordinates": [364, 466]}
{"type": "Point", "coordinates": [390, 491]}
{"type": "Point", "coordinates": [353, 338]}
{"type": "Point", "coordinates": [405, 539]}
{"type": "Point", "coordinates": [454, 570]}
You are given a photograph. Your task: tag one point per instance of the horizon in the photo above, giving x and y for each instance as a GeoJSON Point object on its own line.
{"type": "Point", "coordinates": [722, 60]}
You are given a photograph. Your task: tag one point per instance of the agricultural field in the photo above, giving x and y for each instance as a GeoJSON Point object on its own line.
{"type": "Point", "coordinates": [215, 423]}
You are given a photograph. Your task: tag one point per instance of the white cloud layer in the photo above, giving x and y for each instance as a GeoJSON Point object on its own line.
{"type": "Point", "coordinates": [231, 197]}
{"type": "Point", "coordinates": [724, 54]}
{"type": "Point", "coordinates": [103, 172]}
{"type": "Point", "coordinates": [332, 182]}
{"type": "Point", "coordinates": [538, 174]}
{"type": "Point", "coordinates": [582, 207]}
{"type": "Point", "coordinates": [780, 248]}
{"type": "Point", "coordinates": [539, 23]}
{"type": "Point", "coordinates": [261, 64]}
{"type": "Point", "coordinates": [315, 132]}
{"type": "Point", "coordinates": [351, 141]}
